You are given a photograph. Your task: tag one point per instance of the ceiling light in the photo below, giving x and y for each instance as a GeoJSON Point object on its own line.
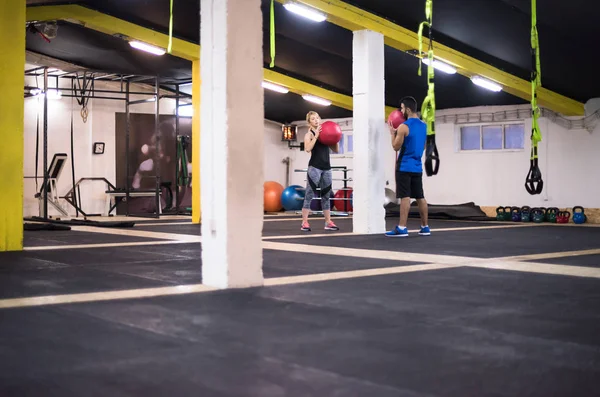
{"type": "Point", "coordinates": [485, 83]}
{"type": "Point", "coordinates": [274, 87]}
{"type": "Point", "coordinates": [441, 66]}
{"type": "Point", "coordinates": [317, 100]}
{"type": "Point", "coordinates": [147, 47]}
{"type": "Point", "coordinates": [306, 12]}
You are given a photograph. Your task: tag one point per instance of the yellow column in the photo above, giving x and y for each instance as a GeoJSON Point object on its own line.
{"type": "Point", "coordinates": [12, 80]}
{"type": "Point", "coordinates": [196, 207]}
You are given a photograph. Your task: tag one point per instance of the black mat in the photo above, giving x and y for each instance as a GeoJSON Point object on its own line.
{"type": "Point", "coordinates": [484, 243]}
{"type": "Point", "coordinates": [37, 273]}
{"type": "Point", "coordinates": [68, 280]}
{"type": "Point", "coordinates": [453, 332]}
{"type": "Point", "coordinates": [50, 238]}
{"type": "Point", "coordinates": [580, 260]}
{"type": "Point", "coordinates": [466, 211]}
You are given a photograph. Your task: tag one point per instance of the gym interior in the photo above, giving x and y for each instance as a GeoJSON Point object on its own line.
{"type": "Point", "coordinates": [154, 173]}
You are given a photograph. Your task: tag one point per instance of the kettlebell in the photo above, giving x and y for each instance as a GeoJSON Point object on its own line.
{"type": "Point", "coordinates": [538, 215]}
{"type": "Point", "coordinates": [507, 213]}
{"type": "Point", "coordinates": [525, 214]}
{"type": "Point", "coordinates": [500, 213]}
{"type": "Point", "coordinates": [579, 217]}
{"type": "Point", "coordinates": [516, 214]}
{"type": "Point", "coordinates": [563, 217]}
{"type": "Point", "coordinates": [551, 214]}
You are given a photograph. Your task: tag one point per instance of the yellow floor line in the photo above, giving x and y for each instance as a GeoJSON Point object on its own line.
{"type": "Point", "coordinates": [370, 254]}
{"type": "Point", "coordinates": [551, 255]}
{"type": "Point", "coordinates": [311, 278]}
{"type": "Point", "coordinates": [102, 245]}
{"type": "Point", "coordinates": [137, 233]}
{"type": "Point", "coordinates": [103, 296]}
{"type": "Point", "coordinates": [542, 268]}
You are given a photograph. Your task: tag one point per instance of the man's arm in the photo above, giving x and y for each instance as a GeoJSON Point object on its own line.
{"type": "Point", "coordinates": [398, 137]}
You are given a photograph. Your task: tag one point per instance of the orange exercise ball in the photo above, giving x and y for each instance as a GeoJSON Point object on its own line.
{"type": "Point", "coordinates": [272, 191]}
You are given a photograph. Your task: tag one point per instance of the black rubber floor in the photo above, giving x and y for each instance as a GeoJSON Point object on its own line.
{"type": "Point", "coordinates": [70, 237]}
{"type": "Point", "coordinates": [484, 243]}
{"type": "Point", "coordinates": [453, 332]}
{"type": "Point", "coordinates": [39, 273]}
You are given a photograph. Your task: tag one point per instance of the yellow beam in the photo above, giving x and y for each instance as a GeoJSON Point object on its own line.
{"type": "Point", "coordinates": [354, 18]}
{"type": "Point", "coordinates": [12, 80]}
{"type": "Point", "coordinates": [104, 23]}
{"type": "Point", "coordinates": [196, 204]}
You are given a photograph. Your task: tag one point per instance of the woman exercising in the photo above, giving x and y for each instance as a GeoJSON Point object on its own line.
{"type": "Point", "coordinates": [319, 172]}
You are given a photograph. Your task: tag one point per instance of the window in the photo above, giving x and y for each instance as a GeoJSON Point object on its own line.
{"type": "Point", "coordinates": [492, 137]}
{"type": "Point", "coordinates": [469, 138]}
{"type": "Point", "coordinates": [346, 144]}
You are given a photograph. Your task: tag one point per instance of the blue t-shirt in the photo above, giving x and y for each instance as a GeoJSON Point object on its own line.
{"type": "Point", "coordinates": [411, 153]}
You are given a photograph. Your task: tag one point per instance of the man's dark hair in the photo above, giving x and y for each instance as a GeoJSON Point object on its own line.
{"type": "Point", "coordinates": [409, 103]}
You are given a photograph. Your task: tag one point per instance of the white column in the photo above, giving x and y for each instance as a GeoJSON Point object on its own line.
{"type": "Point", "coordinates": [369, 131]}
{"type": "Point", "coordinates": [232, 128]}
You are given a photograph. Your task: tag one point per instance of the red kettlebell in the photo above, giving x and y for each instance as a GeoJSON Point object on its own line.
{"type": "Point", "coordinates": [563, 217]}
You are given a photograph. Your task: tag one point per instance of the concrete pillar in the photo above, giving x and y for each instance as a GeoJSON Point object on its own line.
{"type": "Point", "coordinates": [369, 132]}
{"type": "Point", "coordinates": [12, 80]}
{"type": "Point", "coordinates": [231, 154]}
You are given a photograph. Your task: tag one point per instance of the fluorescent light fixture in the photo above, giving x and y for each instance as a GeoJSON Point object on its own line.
{"type": "Point", "coordinates": [185, 110]}
{"type": "Point", "coordinates": [274, 87]}
{"type": "Point", "coordinates": [317, 100]}
{"type": "Point", "coordinates": [147, 47]}
{"type": "Point", "coordinates": [485, 83]}
{"type": "Point", "coordinates": [35, 91]}
{"type": "Point", "coordinates": [54, 70]}
{"type": "Point", "coordinates": [54, 94]}
{"type": "Point", "coordinates": [441, 66]}
{"type": "Point", "coordinates": [306, 12]}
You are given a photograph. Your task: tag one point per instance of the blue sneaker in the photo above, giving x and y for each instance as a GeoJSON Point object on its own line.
{"type": "Point", "coordinates": [425, 231]}
{"type": "Point", "coordinates": [397, 232]}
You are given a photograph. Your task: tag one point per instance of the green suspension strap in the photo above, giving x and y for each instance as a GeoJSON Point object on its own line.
{"type": "Point", "coordinates": [534, 183]}
{"type": "Point", "coordinates": [272, 33]}
{"type": "Point", "coordinates": [432, 157]}
{"type": "Point", "coordinates": [169, 48]}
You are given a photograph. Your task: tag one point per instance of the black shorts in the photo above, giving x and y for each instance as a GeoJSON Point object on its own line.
{"type": "Point", "coordinates": [409, 184]}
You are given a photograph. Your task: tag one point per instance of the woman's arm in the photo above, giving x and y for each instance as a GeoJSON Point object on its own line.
{"type": "Point", "coordinates": [310, 140]}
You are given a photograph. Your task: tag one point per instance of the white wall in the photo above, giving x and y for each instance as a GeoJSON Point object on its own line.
{"type": "Point", "coordinates": [100, 127]}
{"type": "Point", "coordinates": [568, 162]}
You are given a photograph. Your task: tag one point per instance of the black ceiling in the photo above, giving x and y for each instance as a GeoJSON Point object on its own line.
{"type": "Point", "coordinates": [494, 31]}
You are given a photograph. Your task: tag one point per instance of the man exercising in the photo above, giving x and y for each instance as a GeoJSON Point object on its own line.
{"type": "Point", "coordinates": [319, 172]}
{"type": "Point", "coordinates": [409, 139]}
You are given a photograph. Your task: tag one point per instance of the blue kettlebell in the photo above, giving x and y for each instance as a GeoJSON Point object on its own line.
{"type": "Point", "coordinates": [516, 214]}
{"type": "Point", "coordinates": [526, 214]}
{"type": "Point", "coordinates": [579, 217]}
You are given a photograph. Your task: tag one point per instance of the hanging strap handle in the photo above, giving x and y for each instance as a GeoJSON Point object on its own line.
{"type": "Point", "coordinates": [432, 156]}
{"type": "Point", "coordinates": [272, 34]}
{"type": "Point", "coordinates": [534, 183]}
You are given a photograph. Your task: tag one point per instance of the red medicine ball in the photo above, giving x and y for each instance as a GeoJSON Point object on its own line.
{"type": "Point", "coordinates": [331, 133]}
